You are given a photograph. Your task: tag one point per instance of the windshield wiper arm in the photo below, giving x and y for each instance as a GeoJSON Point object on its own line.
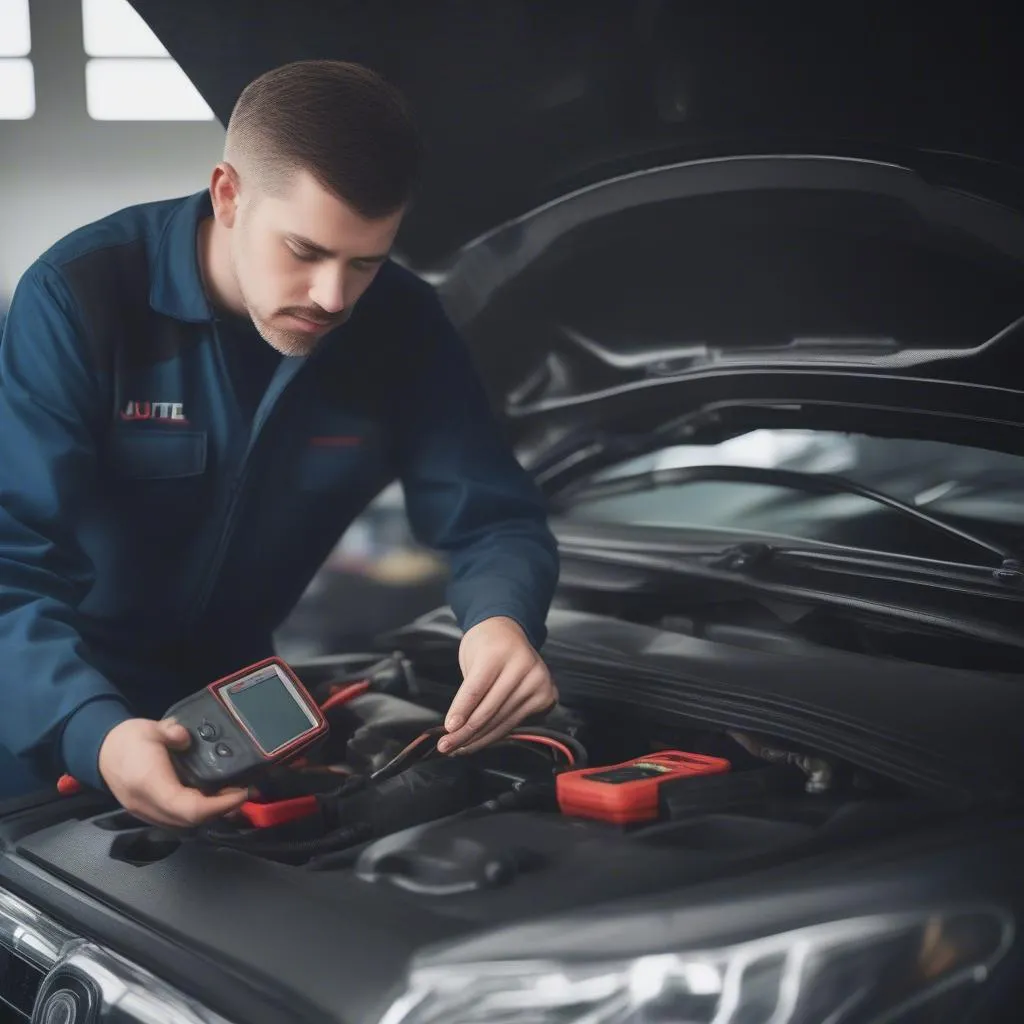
{"type": "Point", "coordinates": [815, 483]}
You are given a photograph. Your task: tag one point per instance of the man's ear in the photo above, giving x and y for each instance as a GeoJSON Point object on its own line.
{"type": "Point", "coordinates": [224, 192]}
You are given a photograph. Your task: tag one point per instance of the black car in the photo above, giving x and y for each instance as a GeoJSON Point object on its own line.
{"type": "Point", "coordinates": [747, 286]}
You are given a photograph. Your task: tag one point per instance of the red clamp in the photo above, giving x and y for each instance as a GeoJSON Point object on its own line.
{"type": "Point", "coordinates": [279, 811]}
{"type": "Point", "coordinates": [67, 785]}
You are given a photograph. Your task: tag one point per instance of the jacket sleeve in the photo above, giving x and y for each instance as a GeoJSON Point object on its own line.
{"type": "Point", "coordinates": [57, 708]}
{"type": "Point", "coordinates": [466, 494]}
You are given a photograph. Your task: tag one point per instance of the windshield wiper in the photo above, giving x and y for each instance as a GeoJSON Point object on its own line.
{"type": "Point", "coordinates": [815, 483]}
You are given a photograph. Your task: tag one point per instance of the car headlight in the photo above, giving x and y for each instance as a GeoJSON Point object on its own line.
{"type": "Point", "coordinates": [48, 975]}
{"type": "Point", "coordinates": [864, 970]}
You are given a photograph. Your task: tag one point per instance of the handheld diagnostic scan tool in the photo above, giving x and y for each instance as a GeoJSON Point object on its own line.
{"type": "Point", "coordinates": [245, 723]}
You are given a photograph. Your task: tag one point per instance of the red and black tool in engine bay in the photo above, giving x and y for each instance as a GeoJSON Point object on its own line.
{"type": "Point", "coordinates": [379, 773]}
{"type": "Point", "coordinates": [366, 783]}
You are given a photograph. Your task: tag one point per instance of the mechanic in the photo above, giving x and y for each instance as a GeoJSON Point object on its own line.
{"type": "Point", "coordinates": [197, 396]}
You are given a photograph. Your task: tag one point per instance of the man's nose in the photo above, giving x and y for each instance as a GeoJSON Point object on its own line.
{"type": "Point", "coordinates": [328, 291]}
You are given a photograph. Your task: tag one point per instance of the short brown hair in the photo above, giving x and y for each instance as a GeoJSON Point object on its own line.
{"type": "Point", "coordinates": [342, 122]}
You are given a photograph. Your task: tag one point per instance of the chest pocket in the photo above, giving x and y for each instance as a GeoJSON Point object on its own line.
{"type": "Point", "coordinates": [158, 454]}
{"type": "Point", "coordinates": [158, 478]}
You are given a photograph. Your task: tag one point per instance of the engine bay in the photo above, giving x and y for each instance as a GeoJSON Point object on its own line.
{"type": "Point", "coordinates": [377, 845]}
{"type": "Point", "coordinates": [495, 836]}
{"type": "Point", "coordinates": [566, 806]}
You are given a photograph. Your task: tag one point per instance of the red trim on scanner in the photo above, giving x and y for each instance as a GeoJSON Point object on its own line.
{"type": "Point", "coordinates": [296, 745]}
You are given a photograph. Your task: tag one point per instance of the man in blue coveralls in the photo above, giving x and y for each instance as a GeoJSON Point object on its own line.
{"type": "Point", "coordinates": [196, 398]}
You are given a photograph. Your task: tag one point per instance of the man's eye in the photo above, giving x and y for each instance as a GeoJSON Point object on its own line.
{"type": "Point", "coordinates": [305, 255]}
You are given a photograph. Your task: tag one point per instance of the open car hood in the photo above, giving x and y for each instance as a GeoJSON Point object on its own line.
{"type": "Point", "coordinates": [639, 210]}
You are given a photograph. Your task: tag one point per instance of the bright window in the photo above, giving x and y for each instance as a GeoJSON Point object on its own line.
{"type": "Point", "coordinates": [130, 76]}
{"type": "Point", "coordinates": [17, 78]}
{"type": "Point", "coordinates": [149, 89]}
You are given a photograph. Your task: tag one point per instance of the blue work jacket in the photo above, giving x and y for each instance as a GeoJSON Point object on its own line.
{"type": "Point", "coordinates": [156, 526]}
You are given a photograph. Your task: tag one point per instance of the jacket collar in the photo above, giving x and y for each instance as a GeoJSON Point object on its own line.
{"type": "Point", "coordinates": [176, 287]}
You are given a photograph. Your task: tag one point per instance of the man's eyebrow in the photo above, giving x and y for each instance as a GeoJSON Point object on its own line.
{"type": "Point", "coordinates": [319, 250]}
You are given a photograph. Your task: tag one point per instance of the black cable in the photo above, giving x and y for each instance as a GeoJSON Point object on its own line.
{"type": "Point", "coordinates": [420, 746]}
{"type": "Point", "coordinates": [250, 842]}
{"type": "Point", "coordinates": [579, 751]}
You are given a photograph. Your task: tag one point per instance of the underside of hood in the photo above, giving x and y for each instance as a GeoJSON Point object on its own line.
{"type": "Point", "coordinates": [640, 211]}
{"type": "Point", "coordinates": [800, 291]}
{"type": "Point", "coordinates": [522, 101]}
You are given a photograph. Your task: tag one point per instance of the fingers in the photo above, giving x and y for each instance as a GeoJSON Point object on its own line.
{"type": "Point", "coordinates": [135, 763]}
{"type": "Point", "coordinates": [188, 808]}
{"type": "Point", "coordinates": [174, 735]}
{"type": "Point", "coordinates": [522, 668]}
{"type": "Point", "coordinates": [519, 691]}
{"type": "Point", "coordinates": [492, 695]}
{"type": "Point", "coordinates": [475, 687]}
{"type": "Point", "coordinates": [163, 800]}
{"type": "Point", "coordinates": [501, 724]}
{"type": "Point", "coordinates": [520, 707]}
{"type": "Point", "coordinates": [182, 807]}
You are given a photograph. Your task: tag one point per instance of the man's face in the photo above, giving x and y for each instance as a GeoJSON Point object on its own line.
{"type": "Point", "coordinates": [302, 259]}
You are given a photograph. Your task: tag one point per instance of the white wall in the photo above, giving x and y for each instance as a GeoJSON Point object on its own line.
{"type": "Point", "coordinates": [61, 169]}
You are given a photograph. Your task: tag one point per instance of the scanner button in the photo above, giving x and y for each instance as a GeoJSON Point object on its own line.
{"type": "Point", "coordinates": [223, 750]}
{"type": "Point", "coordinates": [207, 731]}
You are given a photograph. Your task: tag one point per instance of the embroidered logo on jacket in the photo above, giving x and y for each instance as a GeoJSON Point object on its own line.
{"type": "Point", "coordinates": [163, 412]}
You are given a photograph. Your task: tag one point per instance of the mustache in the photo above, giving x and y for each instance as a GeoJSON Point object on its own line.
{"type": "Point", "coordinates": [315, 315]}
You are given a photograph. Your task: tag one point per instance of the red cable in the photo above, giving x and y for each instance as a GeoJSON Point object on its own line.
{"type": "Point", "coordinates": [409, 748]}
{"type": "Point", "coordinates": [345, 694]}
{"type": "Point", "coordinates": [544, 741]}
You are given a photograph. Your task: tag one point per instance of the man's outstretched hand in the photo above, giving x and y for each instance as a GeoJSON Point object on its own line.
{"type": "Point", "coordinates": [135, 764]}
{"type": "Point", "coordinates": [504, 681]}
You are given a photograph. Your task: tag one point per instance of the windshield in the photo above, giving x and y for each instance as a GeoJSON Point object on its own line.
{"type": "Point", "coordinates": [965, 486]}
